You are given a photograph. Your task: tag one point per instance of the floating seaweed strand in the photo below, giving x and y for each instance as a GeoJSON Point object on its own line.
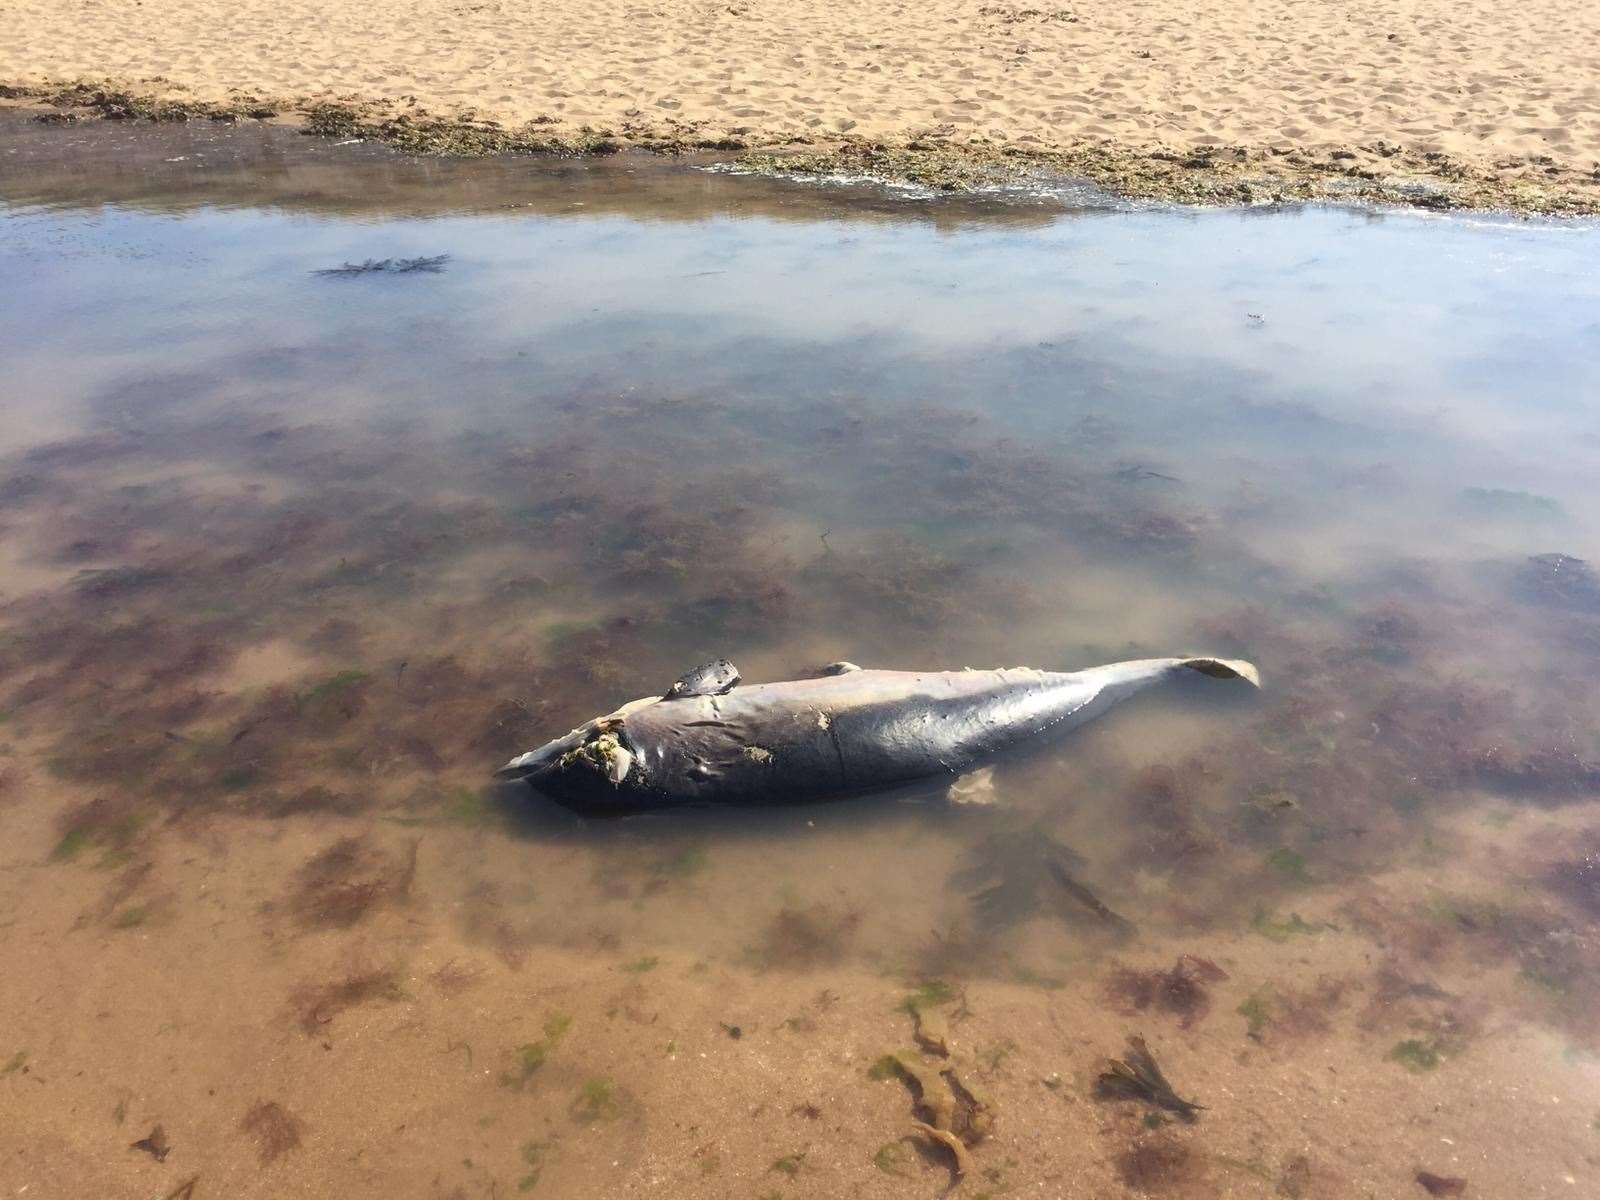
{"type": "Point", "coordinates": [389, 266]}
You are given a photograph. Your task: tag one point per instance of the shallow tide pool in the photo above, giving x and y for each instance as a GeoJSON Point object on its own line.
{"type": "Point", "coordinates": [292, 557]}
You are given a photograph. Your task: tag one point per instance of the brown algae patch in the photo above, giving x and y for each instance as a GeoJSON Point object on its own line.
{"type": "Point", "coordinates": [1181, 991]}
{"type": "Point", "coordinates": [800, 938]}
{"type": "Point", "coordinates": [316, 1005]}
{"type": "Point", "coordinates": [276, 1130]}
{"type": "Point", "coordinates": [1161, 1166]}
{"type": "Point", "coordinates": [342, 884]}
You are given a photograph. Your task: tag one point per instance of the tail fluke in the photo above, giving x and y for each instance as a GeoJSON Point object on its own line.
{"type": "Point", "coordinates": [1224, 668]}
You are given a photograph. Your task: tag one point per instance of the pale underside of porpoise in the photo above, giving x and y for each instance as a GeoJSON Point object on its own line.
{"type": "Point", "coordinates": [711, 741]}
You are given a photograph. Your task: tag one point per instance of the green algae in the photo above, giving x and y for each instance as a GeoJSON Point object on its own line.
{"type": "Point", "coordinates": [131, 918]}
{"type": "Point", "coordinates": [337, 697]}
{"type": "Point", "coordinates": [70, 845]}
{"type": "Point", "coordinates": [1504, 502]}
{"type": "Point", "coordinates": [1290, 864]}
{"type": "Point", "coordinates": [596, 1101]}
{"type": "Point", "coordinates": [994, 1054]}
{"type": "Point", "coordinates": [930, 993]}
{"type": "Point", "coordinates": [1276, 930]}
{"type": "Point", "coordinates": [885, 1066]}
{"type": "Point", "coordinates": [530, 1057]}
{"type": "Point", "coordinates": [466, 806]}
{"type": "Point", "coordinates": [534, 1155]}
{"type": "Point", "coordinates": [1257, 1014]}
{"type": "Point", "coordinates": [1416, 1055]}
{"type": "Point", "coordinates": [789, 1164]}
{"type": "Point", "coordinates": [1029, 977]}
{"type": "Point", "coordinates": [891, 1158]}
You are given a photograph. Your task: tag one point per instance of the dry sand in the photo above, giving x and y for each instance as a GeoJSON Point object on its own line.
{"type": "Point", "coordinates": [1500, 88]}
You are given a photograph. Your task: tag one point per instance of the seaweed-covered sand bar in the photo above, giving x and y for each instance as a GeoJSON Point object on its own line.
{"type": "Point", "coordinates": [1470, 104]}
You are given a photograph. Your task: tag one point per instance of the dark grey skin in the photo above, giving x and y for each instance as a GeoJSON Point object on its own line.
{"type": "Point", "coordinates": [850, 731]}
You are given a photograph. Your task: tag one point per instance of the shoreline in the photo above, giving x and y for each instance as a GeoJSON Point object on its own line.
{"type": "Point", "coordinates": [1379, 173]}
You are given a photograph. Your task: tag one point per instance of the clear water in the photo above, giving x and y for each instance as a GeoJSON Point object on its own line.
{"type": "Point", "coordinates": [290, 562]}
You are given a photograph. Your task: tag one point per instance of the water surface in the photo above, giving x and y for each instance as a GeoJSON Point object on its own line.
{"type": "Point", "coordinates": [291, 561]}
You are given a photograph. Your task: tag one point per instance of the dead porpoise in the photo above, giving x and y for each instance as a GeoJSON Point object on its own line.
{"type": "Point", "coordinates": [710, 741]}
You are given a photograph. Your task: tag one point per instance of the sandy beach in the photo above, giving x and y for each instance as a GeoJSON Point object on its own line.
{"type": "Point", "coordinates": [1474, 89]}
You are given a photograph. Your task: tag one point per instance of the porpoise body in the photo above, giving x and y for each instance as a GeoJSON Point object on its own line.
{"type": "Point", "coordinates": [710, 740]}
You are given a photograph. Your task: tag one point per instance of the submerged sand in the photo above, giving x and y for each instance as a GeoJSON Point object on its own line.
{"type": "Point", "coordinates": [292, 560]}
{"type": "Point", "coordinates": [1476, 90]}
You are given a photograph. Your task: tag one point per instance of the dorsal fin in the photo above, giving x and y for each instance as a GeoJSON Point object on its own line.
{"type": "Point", "coordinates": [709, 679]}
{"type": "Point", "coordinates": [836, 668]}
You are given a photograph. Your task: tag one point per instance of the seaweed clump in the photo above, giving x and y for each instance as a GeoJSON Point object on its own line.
{"type": "Point", "coordinates": [276, 1130]}
{"type": "Point", "coordinates": [1137, 1077]}
{"type": "Point", "coordinates": [1159, 1164]}
{"type": "Point", "coordinates": [430, 264]}
{"type": "Point", "coordinates": [1018, 871]}
{"type": "Point", "coordinates": [531, 1056]}
{"type": "Point", "coordinates": [798, 938]}
{"type": "Point", "coordinates": [597, 1100]}
{"type": "Point", "coordinates": [638, 872]}
{"type": "Point", "coordinates": [117, 104]}
{"type": "Point", "coordinates": [155, 1144]}
{"type": "Point", "coordinates": [1275, 1014]}
{"type": "Point", "coordinates": [1164, 810]}
{"type": "Point", "coordinates": [425, 134]}
{"type": "Point", "coordinates": [343, 883]}
{"type": "Point", "coordinates": [948, 1110]}
{"type": "Point", "coordinates": [1561, 580]}
{"type": "Point", "coordinates": [1431, 1023]}
{"type": "Point", "coordinates": [1577, 881]}
{"type": "Point", "coordinates": [110, 824]}
{"type": "Point", "coordinates": [933, 167]}
{"type": "Point", "coordinates": [1181, 991]}
{"type": "Point", "coordinates": [319, 1005]}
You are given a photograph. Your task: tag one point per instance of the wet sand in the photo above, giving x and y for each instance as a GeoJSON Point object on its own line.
{"type": "Point", "coordinates": [294, 560]}
{"type": "Point", "coordinates": [1499, 97]}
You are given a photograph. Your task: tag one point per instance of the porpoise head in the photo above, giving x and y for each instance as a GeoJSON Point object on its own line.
{"type": "Point", "coordinates": [593, 766]}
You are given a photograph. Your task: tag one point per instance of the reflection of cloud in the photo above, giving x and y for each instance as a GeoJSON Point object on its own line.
{"type": "Point", "coordinates": [1400, 339]}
